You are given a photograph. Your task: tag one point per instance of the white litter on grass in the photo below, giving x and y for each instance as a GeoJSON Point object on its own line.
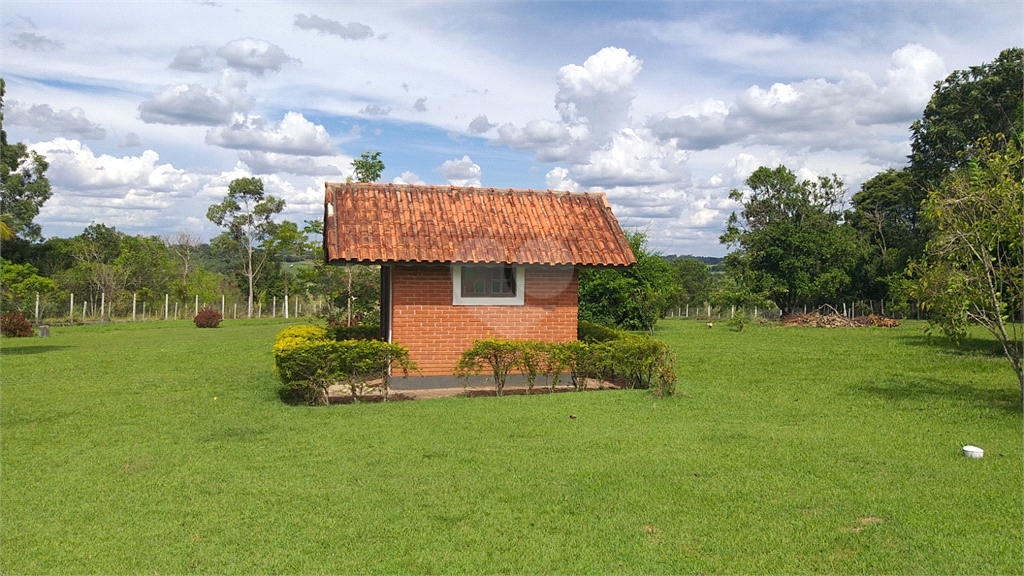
{"type": "Point", "coordinates": [973, 452]}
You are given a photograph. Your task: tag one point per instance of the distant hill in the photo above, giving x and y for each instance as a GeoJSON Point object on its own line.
{"type": "Point", "coordinates": [709, 260]}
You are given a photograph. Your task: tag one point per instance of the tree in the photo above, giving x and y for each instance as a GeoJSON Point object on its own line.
{"type": "Point", "coordinates": [973, 270]}
{"type": "Point", "coordinates": [185, 247]}
{"type": "Point", "coordinates": [633, 298]}
{"type": "Point", "coordinates": [966, 106]}
{"type": "Point", "coordinates": [368, 167]}
{"type": "Point", "coordinates": [694, 280]}
{"type": "Point", "coordinates": [790, 243]}
{"type": "Point", "coordinates": [24, 186]}
{"type": "Point", "coordinates": [246, 215]}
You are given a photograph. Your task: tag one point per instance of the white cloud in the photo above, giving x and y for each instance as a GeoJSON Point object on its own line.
{"type": "Point", "coordinates": [34, 42]}
{"type": "Point", "coordinates": [350, 31]}
{"type": "Point", "coordinates": [460, 172]}
{"type": "Point", "coordinates": [815, 113]}
{"type": "Point", "coordinates": [408, 178]}
{"type": "Point", "coordinates": [75, 169]}
{"type": "Point", "coordinates": [270, 163]}
{"type": "Point", "coordinates": [42, 117]}
{"type": "Point", "coordinates": [197, 105]}
{"type": "Point", "coordinates": [479, 125]}
{"type": "Point", "coordinates": [190, 59]}
{"type": "Point", "coordinates": [599, 93]}
{"type": "Point", "coordinates": [375, 110]}
{"type": "Point", "coordinates": [130, 140]}
{"type": "Point", "coordinates": [254, 55]}
{"type": "Point", "coordinates": [292, 135]}
{"type": "Point", "coordinates": [420, 105]}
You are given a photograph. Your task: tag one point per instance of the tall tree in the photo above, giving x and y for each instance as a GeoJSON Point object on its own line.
{"type": "Point", "coordinates": [790, 243]}
{"type": "Point", "coordinates": [185, 247]}
{"type": "Point", "coordinates": [973, 270]}
{"type": "Point", "coordinates": [966, 106]}
{"type": "Point", "coordinates": [368, 167]}
{"type": "Point", "coordinates": [246, 214]}
{"type": "Point", "coordinates": [695, 281]}
{"type": "Point", "coordinates": [24, 186]}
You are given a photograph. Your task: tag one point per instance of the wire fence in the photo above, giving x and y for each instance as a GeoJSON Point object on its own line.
{"type": "Point", "coordinates": [135, 309]}
{"type": "Point", "coordinates": [848, 310]}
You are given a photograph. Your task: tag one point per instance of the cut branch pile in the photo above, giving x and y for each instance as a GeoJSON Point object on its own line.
{"type": "Point", "coordinates": [819, 320]}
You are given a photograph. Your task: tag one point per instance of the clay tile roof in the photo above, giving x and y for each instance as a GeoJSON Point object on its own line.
{"type": "Point", "coordinates": [388, 223]}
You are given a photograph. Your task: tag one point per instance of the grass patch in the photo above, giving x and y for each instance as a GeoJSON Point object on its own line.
{"type": "Point", "coordinates": [162, 448]}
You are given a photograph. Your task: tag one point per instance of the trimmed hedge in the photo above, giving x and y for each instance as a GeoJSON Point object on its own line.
{"type": "Point", "coordinates": [590, 332]}
{"type": "Point", "coordinates": [630, 360]}
{"type": "Point", "coordinates": [356, 332]}
{"type": "Point", "coordinates": [309, 363]}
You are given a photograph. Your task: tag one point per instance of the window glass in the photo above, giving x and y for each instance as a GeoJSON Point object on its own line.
{"type": "Point", "coordinates": [488, 281]}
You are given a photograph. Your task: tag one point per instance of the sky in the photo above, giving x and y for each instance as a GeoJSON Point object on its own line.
{"type": "Point", "coordinates": [146, 111]}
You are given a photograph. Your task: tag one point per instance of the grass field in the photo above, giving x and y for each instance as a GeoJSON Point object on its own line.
{"type": "Point", "coordinates": [160, 448]}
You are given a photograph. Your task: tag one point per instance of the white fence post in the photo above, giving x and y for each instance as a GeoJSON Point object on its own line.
{"type": "Point", "coordinates": [175, 310]}
{"type": "Point", "coordinates": [274, 313]}
{"type": "Point", "coordinates": [37, 307]}
{"type": "Point", "coordinates": [167, 301]}
{"type": "Point", "coordinates": [103, 304]}
{"type": "Point", "coordinates": [197, 303]}
{"type": "Point", "coordinates": [134, 294]}
{"type": "Point", "coordinates": [72, 313]}
{"type": "Point", "coordinates": [221, 305]}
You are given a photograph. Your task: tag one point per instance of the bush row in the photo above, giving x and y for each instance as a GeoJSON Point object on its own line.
{"type": "Point", "coordinates": [629, 360]}
{"type": "Point", "coordinates": [308, 361]}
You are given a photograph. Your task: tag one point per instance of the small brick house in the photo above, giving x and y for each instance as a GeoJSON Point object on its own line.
{"type": "Point", "coordinates": [459, 264]}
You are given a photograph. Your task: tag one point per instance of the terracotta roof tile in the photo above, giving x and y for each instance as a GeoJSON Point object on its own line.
{"type": "Point", "coordinates": [371, 222]}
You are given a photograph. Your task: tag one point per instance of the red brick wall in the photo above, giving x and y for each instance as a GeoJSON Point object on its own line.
{"type": "Point", "coordinates": [436, 333]}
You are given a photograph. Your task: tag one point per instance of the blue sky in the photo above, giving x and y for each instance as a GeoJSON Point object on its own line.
{"type": "Point", "coordinates": [146, 111]}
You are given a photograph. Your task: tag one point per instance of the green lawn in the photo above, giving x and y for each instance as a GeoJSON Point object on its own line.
{"type": "Point", "coordinates": [161, 448]}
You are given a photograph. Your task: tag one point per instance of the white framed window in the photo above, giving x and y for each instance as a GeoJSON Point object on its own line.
{"type": "Point", "coordinates": [487, 285]}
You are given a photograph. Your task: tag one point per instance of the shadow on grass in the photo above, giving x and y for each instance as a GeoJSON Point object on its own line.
{"type": "Point", "coordinates": [967, 347]}
{"type": "Point", "coordinates": [33, 349]}
{"type": "Point", "coordinates": [923, 390]}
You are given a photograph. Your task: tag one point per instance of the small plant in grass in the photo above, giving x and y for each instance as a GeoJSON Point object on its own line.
{"type": "Point", "coordinates": [14, 325]}
{"type": "Point", "coordinates": [207, 318]}
{"type": "Point", "coordinates": [738, 322]}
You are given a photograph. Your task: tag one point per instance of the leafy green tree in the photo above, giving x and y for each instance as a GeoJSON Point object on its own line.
{"type": "Point", "coordinates": [633, 298]}
{"type": "Point", "coordinates": [19, 284]}
{"type": "Point", "coordinates": [246, 214]}
{"type": "Point", "coordinates": [24, 186]}
{"type": "Point", "coordinates": [973, 270]}
{"type": "Point", "coordinates": [694, 281]}
{"type": "Point", "coordinates": [789, 240]}
{"type": "Point", "coordinates": [368, 167]}
{"type": "Point", "coordinates": [968, 105]}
